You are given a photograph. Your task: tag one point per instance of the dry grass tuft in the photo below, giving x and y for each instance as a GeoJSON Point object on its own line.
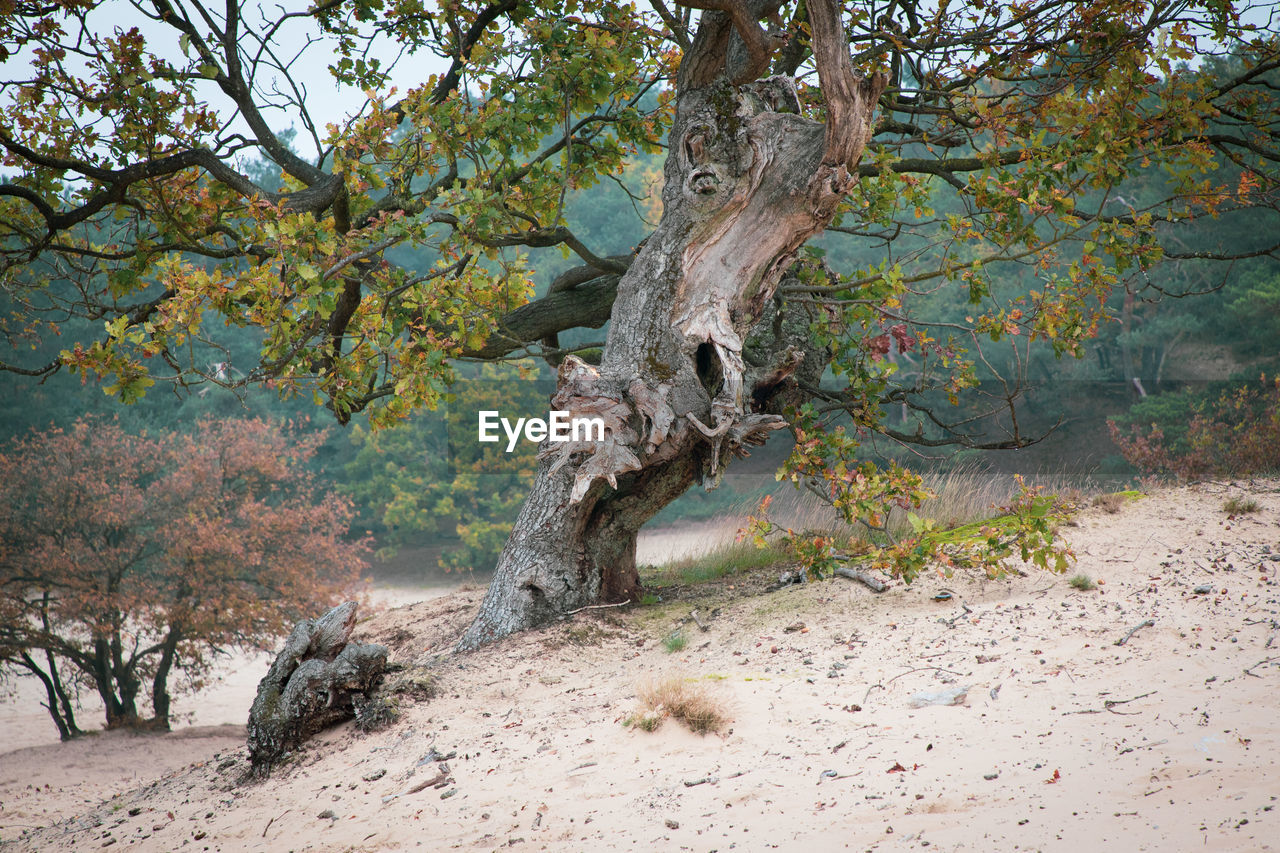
{"type": "Point", "coordinates": [1111, 503]}
{"type": "Point", "coordinates": [681, 699]}
{"type": "Point", "coordinates": [1240, 506]}
{"type": "Point", "coordinates": [969, 493]}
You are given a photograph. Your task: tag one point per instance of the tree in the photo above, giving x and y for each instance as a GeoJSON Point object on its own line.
{"type": "Point", "coordinates": [994, 139]}
{"type": "Point", "coordinates": [126, 557]}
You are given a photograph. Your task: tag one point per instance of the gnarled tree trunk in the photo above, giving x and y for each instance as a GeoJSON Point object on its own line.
{"type": "Point", "coordinates": [315, 681]}
{"type": "Point", "coordinates": [748, 181]}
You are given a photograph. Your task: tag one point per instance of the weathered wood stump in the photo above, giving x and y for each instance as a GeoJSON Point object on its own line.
{"type": "Point", "coordinates": [317, 680]}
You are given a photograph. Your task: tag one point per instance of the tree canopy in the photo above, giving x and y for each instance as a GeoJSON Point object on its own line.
{"type": "Point", "coordinates": [132, 195]}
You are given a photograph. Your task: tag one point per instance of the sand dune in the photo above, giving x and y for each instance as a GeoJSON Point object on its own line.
{"type": "Point", "coordinates": [1064, 740]}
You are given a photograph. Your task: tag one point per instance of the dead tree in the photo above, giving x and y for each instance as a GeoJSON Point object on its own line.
{"type": "Point", "coordinates": [315, 682]}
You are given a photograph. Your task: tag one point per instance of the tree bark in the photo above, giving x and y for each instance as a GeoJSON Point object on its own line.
{"type": "Point", "coordinates": [748, 181]}
{"type": "Point", "coordinates": [116, 703]}
{"type": "Point", "coordinates": [66, 718]}
{"type": "Point", "coordinates": [65, 722]}
{"type": "Point", "coordinates": [160, 699]}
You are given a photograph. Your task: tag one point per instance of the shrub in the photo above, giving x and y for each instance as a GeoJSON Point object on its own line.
{"type": "Point", "coordinates": [1240, 506]}
{"type": "Point", "coordinates": [1235, 434]}
{"type": "Point", "coordinates": [681, 699]}
{"type": "Point", "coordinates": [1082, 582]}
{"type": "Point", "coordinates": [1110, 503]}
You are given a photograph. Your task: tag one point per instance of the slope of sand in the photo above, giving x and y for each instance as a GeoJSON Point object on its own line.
{"type": "Point", "coordinates": [1065, 741]}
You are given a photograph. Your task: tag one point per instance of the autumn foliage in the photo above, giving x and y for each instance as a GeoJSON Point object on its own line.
{"type": "Point", "coordinates": [124, 557]}
{"type": "Point", "coordinates": [1233, 434]}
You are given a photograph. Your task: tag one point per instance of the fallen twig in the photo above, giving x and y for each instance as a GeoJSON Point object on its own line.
{"type": "Point", "coordinates": [694, 616]}
{"type": "Point", "coordinates": [1258, 664]}
{"type": "Point", "coordinates": [438, 781]}
{"type": "Point", "coordinates": [965, 610]}
{"type": "Point", "coordinates": [1109, 705]}
{"type": "Point", "coordinates": [597, 607]}
{"type": "Point", "coordinates": [872, 583]}
{"type": "Point", "coordinates": [273, 820]}
{"type": "Point", "coordinates": [1129, 749]}
{"type": "Point", "coordinates": [899, 675]}
{"type": "Point", "coordinates": [1147, 624]}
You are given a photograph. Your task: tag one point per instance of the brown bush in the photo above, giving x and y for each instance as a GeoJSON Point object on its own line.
{"type": "Point", "coordinates": [1236, 435]}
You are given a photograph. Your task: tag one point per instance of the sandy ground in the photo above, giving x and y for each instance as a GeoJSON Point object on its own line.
{"type": "Point", "coordinates": [1064, 741]}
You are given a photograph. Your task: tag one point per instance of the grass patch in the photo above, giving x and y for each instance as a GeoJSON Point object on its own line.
{"type": "Point", "coordinates": [675, 642]}
{"type": "Point", "coordinates": [963, 496]}
{"type": "Point", "coordinates": [1082, 582]}
{"type": "Point", "coordinates": [648, 720]}
{"type": "Point", "coordinates": [1112, 502]}
{"type": "Point", "coordinates": [1240, 506]}
{"type": "Point", "coordinates": [727, 560]}
{"type": "Point", "coordinates": [969, 497]}
{"type": "Point", "coordinates": [680, 699]}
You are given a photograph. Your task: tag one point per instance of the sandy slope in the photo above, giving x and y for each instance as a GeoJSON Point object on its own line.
{"type": "Point", "coordinates": [1066, 741]}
